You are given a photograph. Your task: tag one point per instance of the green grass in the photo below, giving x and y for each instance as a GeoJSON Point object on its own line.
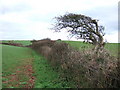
{"type": "Point", "coordinates": [13, 56]}
{"type": "Point", "coordinates": [78, 45]}
{"type": "Point", "coordinates": [46, 76]}
{"type": "Point", "coordinates": [24, 42]}
{"type": "Point", "coordinates": [111, 47]}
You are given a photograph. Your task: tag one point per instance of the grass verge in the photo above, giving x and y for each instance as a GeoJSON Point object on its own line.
{"type": "Point", "coordinates": [46, 76]}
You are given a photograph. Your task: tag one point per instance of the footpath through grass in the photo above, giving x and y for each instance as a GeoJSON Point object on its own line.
{"type": "Point", "coordinates": [22, 67]}
{"type": "Point", "coordinates": [15, 62]}
{"type": "Point", "coordinates": [46, 76]}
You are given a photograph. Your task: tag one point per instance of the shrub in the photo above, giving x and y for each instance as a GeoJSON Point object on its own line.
{"type": "Point", "coordinates": [85, 68]}
{"type": "Point", "coordinates": [43, 46]}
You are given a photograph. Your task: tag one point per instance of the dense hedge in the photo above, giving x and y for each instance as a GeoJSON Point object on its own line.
{"type": "Point", "coordinates": [85, 68]}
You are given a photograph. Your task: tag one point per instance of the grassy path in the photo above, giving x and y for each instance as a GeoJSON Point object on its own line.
{"type": "Point", "coordinates": [46, 76]}
{"type": "Point", "coordinates": [24, 68]}
{"type": "Point", "coordinates": [17, 67]}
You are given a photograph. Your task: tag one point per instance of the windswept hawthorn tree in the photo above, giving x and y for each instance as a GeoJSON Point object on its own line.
{"type": "Point", "coordinates": [81, 26]}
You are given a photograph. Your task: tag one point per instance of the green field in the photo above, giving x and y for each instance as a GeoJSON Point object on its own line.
{"type": "Point", "coordinates": [78, 45]}
{"type": "Point", "coordinates": [111, 47]}
{"type": "Point", "coordinates": [23, 42]}
{"type": "Point", "coordinates": [15, 58]}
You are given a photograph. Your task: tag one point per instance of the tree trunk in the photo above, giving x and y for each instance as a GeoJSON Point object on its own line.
{"type": "Point", "coordinates": [98, 49]}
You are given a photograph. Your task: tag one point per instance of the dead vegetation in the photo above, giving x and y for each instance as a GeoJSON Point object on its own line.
{"type": "Point", "coordinates": [85, 68]}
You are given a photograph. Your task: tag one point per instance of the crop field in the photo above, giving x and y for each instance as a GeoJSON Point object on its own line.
{"type": "Point", "coordinates": [22, 67]}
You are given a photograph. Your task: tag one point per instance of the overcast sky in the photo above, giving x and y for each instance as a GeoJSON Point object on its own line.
{"type": "Point", "coordinates": [32, 19]}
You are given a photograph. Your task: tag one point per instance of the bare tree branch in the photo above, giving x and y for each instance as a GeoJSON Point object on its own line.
{"type": "Point", "coordinates": [81, 26]}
